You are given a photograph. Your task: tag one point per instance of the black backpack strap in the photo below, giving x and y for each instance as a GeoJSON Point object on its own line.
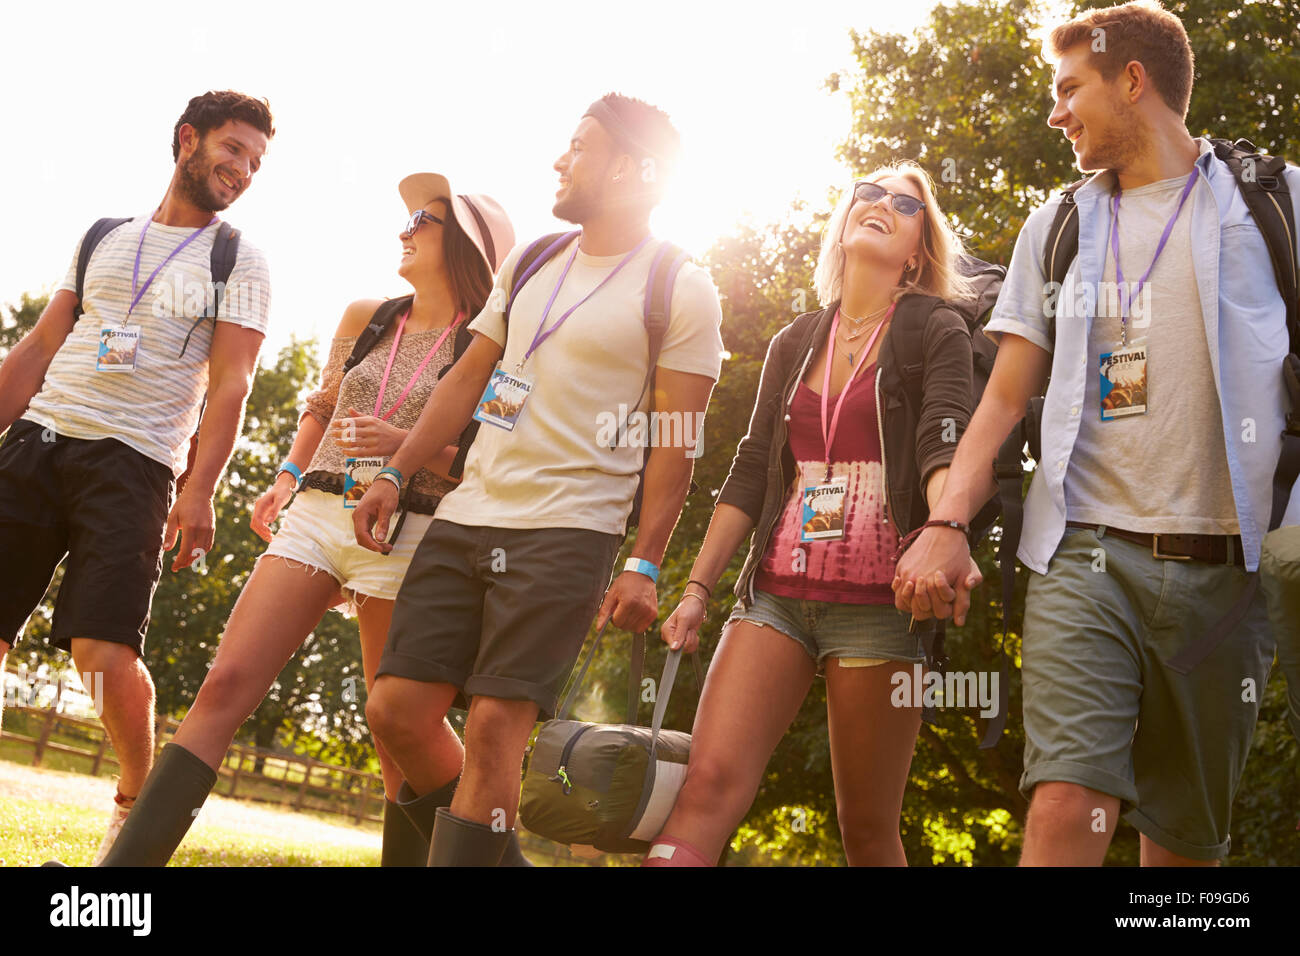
{"type": "Point", "coordinates": [1063, 239]}
{"type": "Point", "coordinates": [906, 336]}
{"type": "Point", "coordinates": [1262, 182]}
{"type": "Point", "coordinates": [384, 316]}
{"type": "Point", "coordinates": [100, 229]}
{"type": "Point", "coordinates": [225, 250]}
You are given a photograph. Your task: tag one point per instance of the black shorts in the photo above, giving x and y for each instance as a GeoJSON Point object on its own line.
{"type": "Point", "coordinates": [500, 612]}
{"type": "Point", "coordinates": [100, 503]}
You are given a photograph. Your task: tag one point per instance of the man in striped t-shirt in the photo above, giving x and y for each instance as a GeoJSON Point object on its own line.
{"type": "Point", "coordinates": [100, 407]}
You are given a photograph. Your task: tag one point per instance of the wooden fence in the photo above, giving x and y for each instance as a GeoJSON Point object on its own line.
{"type": "Point", "coordinates": [293, 778]}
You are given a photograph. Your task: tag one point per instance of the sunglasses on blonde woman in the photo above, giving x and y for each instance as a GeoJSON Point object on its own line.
{"type": "Point", "coordinates": [903, 204]}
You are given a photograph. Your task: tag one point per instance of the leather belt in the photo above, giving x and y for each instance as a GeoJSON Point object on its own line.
{"type": "Point", "coordinates": [1207, 548]}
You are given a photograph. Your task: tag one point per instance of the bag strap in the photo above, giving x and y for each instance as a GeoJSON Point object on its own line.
{"type": "Point", "coordinates": [1262, 182]}
{"type": "Point", "coordinates": [539, 252]}
{"type": "Point", "coordinates": [634, 677]}
{"type": "Point", "coordinates": [384, 316]}
{"type": "Point", "coordinates": [221, 263]}
{"type": "Point", "coordinates": [94, 235]}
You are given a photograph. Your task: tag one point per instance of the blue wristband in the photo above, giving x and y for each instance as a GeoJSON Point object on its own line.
{"type": "Point", "coordinates": [292, 469]}
{"type": "Point", "coordinates": [642, 566]}
{"type": "Point", "coordinates": [389, 470]}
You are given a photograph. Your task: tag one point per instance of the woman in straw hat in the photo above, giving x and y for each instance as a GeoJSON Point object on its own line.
{"type": "Point", "coordinates": [451, 247]}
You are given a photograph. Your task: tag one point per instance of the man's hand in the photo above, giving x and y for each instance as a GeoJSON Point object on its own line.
{"type": "Point", "coordinates": [921, 582]}
{"type": "Point", "coordinates": [371, 516]}
{"type": "Point", "coordinates": [193, 517]}
{"type": "Point", "coordinates": [632, 602]}
{"type": "Point", "coordinates": [363, 436]}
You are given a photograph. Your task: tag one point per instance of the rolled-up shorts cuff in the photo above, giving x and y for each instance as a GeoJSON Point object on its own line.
{"type": "Point", "coordinates": [509, 688]}
{"type": "Point", "coordinates": [1147, 827]}
{"type": "Point", "coordinates": [1085, 775]}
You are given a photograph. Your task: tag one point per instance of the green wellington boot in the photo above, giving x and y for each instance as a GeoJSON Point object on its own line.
{"type": "Point", "coordinates": [422, 811]}
{"type": "Point", "coordinates": [175, 790]}
{"type": "Point", "coordinates": [458, 842]}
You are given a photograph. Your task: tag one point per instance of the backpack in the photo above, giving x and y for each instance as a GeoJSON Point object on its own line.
{"type": "Point", "coordinates": [909, 353]}
{"type": "Point", "coordinates": [1263, 186]}
{"type": "Point", "coordinates": [225, 249]}
{"type": "Point", "coordinates": [667, 263]}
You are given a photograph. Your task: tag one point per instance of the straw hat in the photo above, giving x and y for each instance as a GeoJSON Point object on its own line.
{"type": "Point", "coordinates": [480, 217]}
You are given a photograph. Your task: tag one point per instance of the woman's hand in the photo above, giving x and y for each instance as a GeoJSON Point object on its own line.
{"type": "Point", "coordinates": [269, 506]}
{"type": "Point", "coordinates": [365, 436]}
{"type": "Point", "coordinates": [682, 629]}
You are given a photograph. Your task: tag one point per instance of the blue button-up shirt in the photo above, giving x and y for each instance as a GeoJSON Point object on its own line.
{"type": "Point", "coordinates": [1245, 328]}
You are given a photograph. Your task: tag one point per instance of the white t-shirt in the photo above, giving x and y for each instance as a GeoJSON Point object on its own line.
{"type": "Point", "coordinates": [553, 470]}
{"type": "Point", "coordinates": [1165, 471]}
{"type": "Point", "coordinates": [155, 408]}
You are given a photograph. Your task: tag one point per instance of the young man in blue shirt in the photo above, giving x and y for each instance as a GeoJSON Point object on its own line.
{"type": "Point", "coordinates": [1160, 439]}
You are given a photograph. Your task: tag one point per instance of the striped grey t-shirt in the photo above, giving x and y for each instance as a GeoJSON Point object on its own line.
{"type": "Point", "coordinates": [155, 408]}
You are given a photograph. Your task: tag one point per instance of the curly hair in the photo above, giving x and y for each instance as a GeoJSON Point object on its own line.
{"type": "Point", "coordinates": [216, 108]}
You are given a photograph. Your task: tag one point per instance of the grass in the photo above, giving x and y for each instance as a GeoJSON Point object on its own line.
{"type": "Point", "coordinates": [35, 831]}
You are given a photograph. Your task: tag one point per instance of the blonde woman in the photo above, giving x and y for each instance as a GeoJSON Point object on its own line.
{"type": "Point", "coordinates": [835, 468]}
{"type": "Point", "coordinates": [451, 247]}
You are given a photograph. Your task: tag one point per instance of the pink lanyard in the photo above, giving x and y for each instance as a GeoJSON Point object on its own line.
{"type": "Point", "coordinates": [392, 355]}
{"type": "Point", "coordinates": [828, 436]}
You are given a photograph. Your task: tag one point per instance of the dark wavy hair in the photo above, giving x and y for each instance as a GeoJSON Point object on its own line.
{"type": "Point", "coordinates": [471, 279]}
{"type": "Point", "coordinates": [215, 108]}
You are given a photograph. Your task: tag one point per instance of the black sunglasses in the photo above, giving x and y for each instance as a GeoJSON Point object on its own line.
{"type": "Point", "coordinates": [418, 218]}
{"type": "Point", "coordinates": [903, 204]}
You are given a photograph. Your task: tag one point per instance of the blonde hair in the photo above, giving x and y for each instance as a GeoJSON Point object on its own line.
{"type": "Point", "coordinates": [937, 272]}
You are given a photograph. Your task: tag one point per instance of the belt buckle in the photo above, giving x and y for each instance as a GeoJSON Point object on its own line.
{"type": "Point", "coordinates": [1155, 551]}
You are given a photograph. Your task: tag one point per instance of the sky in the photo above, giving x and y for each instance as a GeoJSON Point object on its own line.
{"type": "Point", "coordinates": [366, 93]}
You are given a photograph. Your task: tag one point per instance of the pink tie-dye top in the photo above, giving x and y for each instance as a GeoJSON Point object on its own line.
{"type": "Point", "coordinates": [859, 567]}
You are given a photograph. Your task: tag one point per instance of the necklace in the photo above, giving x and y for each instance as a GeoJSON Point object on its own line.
{"type": "Point", "coordinates": [859, 323]}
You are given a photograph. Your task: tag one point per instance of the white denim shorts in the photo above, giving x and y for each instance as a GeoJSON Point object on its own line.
{"type": "Point", "coordinates": [317, 531]}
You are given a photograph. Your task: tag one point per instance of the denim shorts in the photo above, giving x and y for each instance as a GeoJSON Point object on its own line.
{"type": "Point", "coordinates": [317, 531]}
{"type": "Point", "coordinates": [829, 629]}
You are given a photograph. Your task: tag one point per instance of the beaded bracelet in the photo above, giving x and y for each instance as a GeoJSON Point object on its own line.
{"type": "Point", "coordinates": [933, 523]}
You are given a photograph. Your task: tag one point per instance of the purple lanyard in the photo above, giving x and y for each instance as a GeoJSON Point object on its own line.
{"type": "Point", "coordinates": [539, 337]}
{"type": "Point", "coordinates": [135, 273]}
{"type": "Point", "coordinates": [1119, 271]}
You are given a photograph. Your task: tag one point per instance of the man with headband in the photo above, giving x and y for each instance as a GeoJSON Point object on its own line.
{"type": "Point", "coordinates": [498, 599]}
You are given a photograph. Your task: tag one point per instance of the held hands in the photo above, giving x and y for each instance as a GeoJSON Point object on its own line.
{"type": "Point", "coordinates": [193, 517]}
{"type": "Point", "coordinates": [682, 629]}
{"type": "Point", "coordinates": [365, 436]}
{"type": "Point", "coordinates": [631, 601]}
{"type": "Point", "coordinates": [921, 588]}
{"type": "Point", "coordinates": [268, 507]}
{"type": "Point", "coordinates": [372, 515]}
